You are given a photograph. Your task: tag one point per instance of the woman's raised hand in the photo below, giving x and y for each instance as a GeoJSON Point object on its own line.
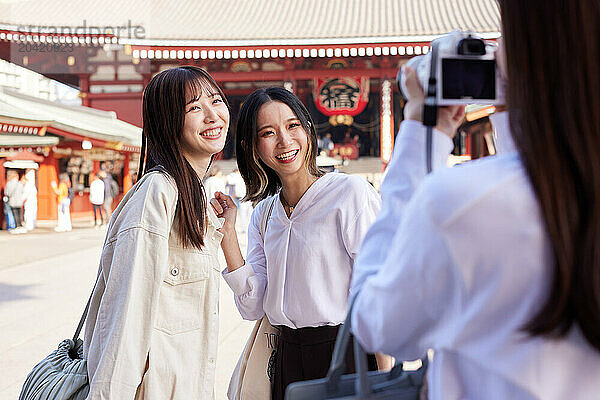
{"type": "Point", "coordinates": [449, 117]}
{"type": "Point", "coordinates": [225, 207]}
{"type": "Point", "coordinates": [413, 109]}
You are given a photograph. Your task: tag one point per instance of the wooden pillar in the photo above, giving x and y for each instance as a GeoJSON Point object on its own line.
{"type": "Point", "coordinates": [468, 150]}
{"type": "Point", "coordinates": [387, 122]}
{"type": "Point", "coordinates": [84, 87]}
{"type": "Point", "coordinates": [47, 201]}
{"type": "Point", "coordinates": [2, 174]}
{"type": "Point", "coordinates": [127, 182]}
{"type": "Point", "coordinates": [2, 184]}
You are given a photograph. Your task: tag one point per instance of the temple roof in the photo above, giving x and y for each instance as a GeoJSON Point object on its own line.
{"type": "Point", "coordinates": [85, 122]}
{"type": "Point", "coordinates": [27, 140]}
{"type": "Point", "coordinates": [260, 21]}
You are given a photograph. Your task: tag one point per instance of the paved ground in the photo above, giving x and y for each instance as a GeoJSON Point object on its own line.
{"type": "Point", "coordinates": [45, 280]}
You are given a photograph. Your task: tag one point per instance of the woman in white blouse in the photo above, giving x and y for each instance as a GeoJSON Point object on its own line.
{"type": "Point", "coordinates": [299, 276]}
{"type": "Point", "coordinates": [496, 264]}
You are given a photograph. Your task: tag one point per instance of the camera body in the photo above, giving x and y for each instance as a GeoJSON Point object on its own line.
{"type": "Point", "coordinates": [466, 71]}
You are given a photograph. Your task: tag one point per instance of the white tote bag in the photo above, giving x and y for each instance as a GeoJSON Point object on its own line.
{"type": "Point", "coordinates": [250, 379]}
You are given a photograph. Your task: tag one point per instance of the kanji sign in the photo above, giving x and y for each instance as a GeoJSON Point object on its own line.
{"type": "Point", "coordinates": [341, 96]}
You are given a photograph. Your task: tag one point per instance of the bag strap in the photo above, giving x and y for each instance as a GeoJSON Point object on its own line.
{"type": "Point", "coordinates": [85, 312]}
{"type": "Point", "coordinates": [266, 214]}
{"type": "Point", "coordinates": [362, 384]}
{"type": "Point", "coordinates": [336, 369]}
{"type": "Point", "coordinates": [158, 168]}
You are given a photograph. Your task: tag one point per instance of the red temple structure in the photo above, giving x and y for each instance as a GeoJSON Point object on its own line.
{"type": "Point", "coordinates": [341, 58]}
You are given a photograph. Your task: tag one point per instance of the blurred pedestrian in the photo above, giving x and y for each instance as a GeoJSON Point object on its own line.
{"type": "Point", "coordinates": [348, 136]}
{"type": "Point", "coordinates": [111, 190]}
{"type": "Point", "coordinates": [64, 202]}
{"type": "Point", "coordinates": [356, 142]}
{"type": "Point", "coordinates": [215, 182]}
{"type": "Point", "coordinates": [237, 190]}
{"type": "Point", "coordinates": [235, 186]}
{"type": "Point", "coordinates": [97, 198]}
{"type": "Point", "coordinates": [14, 191]}
{"type": "Point", "coordinates": [328, 144]}
{"type": "Point", "coordinates": [30, 199]}
{"type": "Point", "coordinates": [8, 215]}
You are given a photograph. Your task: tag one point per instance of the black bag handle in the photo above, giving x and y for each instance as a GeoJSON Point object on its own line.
{"type": "Point", "coordinates": [336, 369]}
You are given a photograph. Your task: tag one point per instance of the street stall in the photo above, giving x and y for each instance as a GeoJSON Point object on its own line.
{"type": "Point", "coordinates": [51, 138]}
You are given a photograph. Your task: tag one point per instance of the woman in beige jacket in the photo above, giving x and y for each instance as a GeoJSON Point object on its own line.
{"type": "Point", "coordinates": [152, 326]}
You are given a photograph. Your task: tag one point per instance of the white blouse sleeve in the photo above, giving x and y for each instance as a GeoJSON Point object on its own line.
{"type": "Point", "coordinates": [399, 308]}
{"type": "Point", "coordinates": [404, 174]}
{"type": "Point", "coordinates": [249, 282]}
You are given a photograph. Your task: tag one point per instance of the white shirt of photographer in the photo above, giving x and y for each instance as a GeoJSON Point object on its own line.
{"type": "Point", "coordinates": [465, 263]}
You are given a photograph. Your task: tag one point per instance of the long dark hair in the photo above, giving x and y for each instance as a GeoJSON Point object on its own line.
{"type": "Point", "coordinates": [164, 116]}
{"type": "Point", "coordinates": [552, 51]}
{"type": "Point", "coordinates": [261, 181]}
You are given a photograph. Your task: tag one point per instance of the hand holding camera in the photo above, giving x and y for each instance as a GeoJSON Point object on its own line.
{"type": "Point", "coordinates": [460, 69]}
{"type": "Point", "coordinates": [449, 117]}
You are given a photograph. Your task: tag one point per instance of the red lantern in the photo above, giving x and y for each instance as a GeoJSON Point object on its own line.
{"type": "Point", "coordinates": [341, 96]}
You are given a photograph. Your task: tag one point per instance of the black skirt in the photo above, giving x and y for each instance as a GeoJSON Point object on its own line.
{"type": "Point", "coordinates": [305, 353]}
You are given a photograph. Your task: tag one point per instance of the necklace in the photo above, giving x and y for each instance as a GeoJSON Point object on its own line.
{"type": "Point", "coordinates": [286, 204]}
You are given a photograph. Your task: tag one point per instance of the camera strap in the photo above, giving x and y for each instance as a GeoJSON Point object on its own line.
{"type": "Point", "coordinates": [430, 108]}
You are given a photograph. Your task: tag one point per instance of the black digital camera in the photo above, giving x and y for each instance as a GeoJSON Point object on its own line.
{"type": "Point", "coordinates": [465, 70]}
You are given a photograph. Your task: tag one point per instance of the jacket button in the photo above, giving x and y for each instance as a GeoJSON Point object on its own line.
{"type": "Point", "coordinates": [174, 271]}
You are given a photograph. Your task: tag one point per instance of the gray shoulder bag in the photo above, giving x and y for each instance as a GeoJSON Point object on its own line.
{"type": "Point", "coordinates": [397, 384]}
{"type": "Point", "coordinates": [63, 374]}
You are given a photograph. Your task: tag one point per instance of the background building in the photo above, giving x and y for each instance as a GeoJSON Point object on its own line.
{"type": "Point", "coordinates": [42, 128]}
{"type": "Point", "coordinates": [339, 57]}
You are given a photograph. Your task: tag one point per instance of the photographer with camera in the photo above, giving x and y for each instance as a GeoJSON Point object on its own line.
{"type": "Point", "coordinates": [495, 265]}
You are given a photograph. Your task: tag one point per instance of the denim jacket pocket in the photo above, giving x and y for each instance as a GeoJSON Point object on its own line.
{"type": "Point", "coordinates": [182, 298]}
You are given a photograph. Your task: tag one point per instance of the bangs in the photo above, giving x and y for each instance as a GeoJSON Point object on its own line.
{"type": "Point", "coordinates": [197, 86]}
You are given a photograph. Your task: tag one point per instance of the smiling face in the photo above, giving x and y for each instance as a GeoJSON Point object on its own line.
{"type": "Point", "coordinates": [206, 123]}
{"type": "Point", "coordinates": [282, 141]}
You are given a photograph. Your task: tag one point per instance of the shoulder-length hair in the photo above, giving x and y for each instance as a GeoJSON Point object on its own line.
{"type": "Point", "coordinates": [552, 52]}
{"type": "Point", "coordinates": [163, 120]}
{"type": "Point", "coordinates": [261, 181]}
